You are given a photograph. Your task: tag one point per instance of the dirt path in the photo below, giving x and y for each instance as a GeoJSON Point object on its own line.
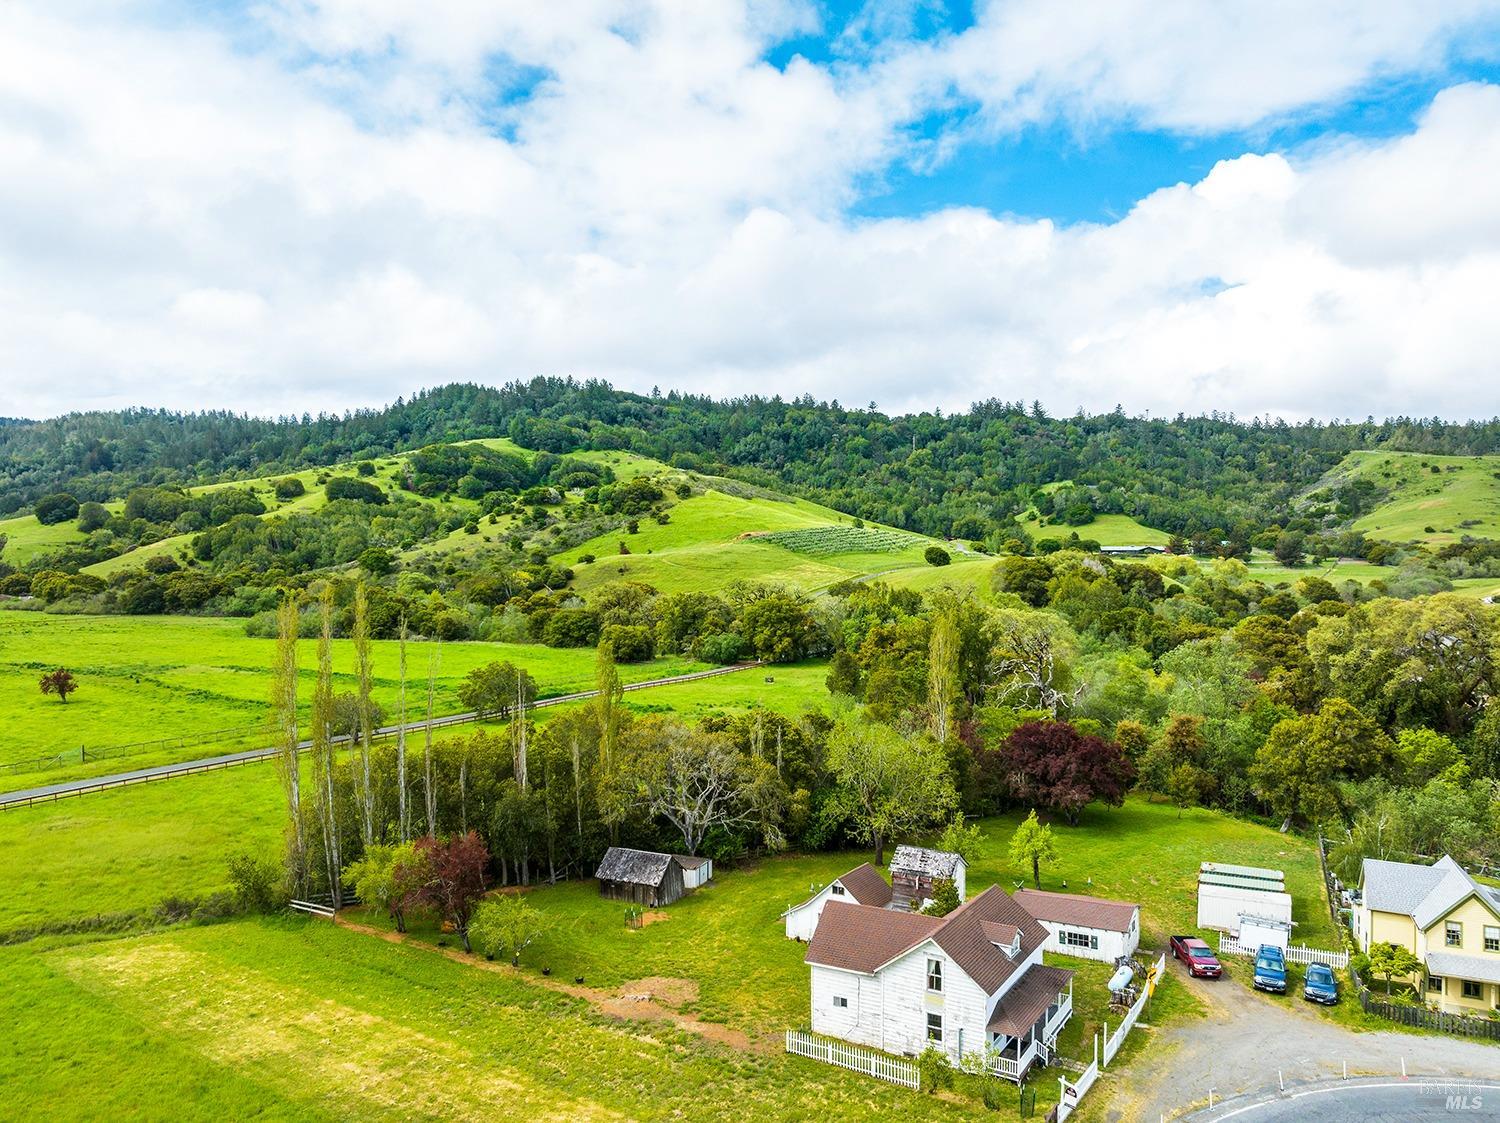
{"type": "Point", "coordinates": [1248, 1042]}
{"type": "Point", "coordinates": [651, 999]}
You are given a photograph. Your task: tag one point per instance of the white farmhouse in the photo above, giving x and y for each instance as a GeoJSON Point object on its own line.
{"type": "Point", "coordinates": [862, 885]}
{"type": "Point", "coordinates": [1088, 927]}
{"type": "Point", "coordinates": [968, 984]}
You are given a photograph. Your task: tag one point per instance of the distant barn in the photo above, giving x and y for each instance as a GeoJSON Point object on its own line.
{"type": "Point", "coordinates": [648, 878]}
{"type": "Point", "coordinates": [915, 871]}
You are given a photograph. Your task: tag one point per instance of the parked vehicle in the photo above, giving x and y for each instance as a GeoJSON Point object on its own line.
{"type": "Point", "coordinates": [1198, 956]}
{"type": "Point", "coordinates": [1321, 985]}
{"type": "Point", "coordinates": [1270, 969]}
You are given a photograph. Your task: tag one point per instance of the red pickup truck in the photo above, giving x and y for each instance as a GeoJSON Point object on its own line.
{"type": "Point", "coordinates": [1198, 956]}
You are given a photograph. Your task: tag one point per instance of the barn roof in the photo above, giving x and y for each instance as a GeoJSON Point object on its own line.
{"type": "Point", "coordinates": [925, 863]}
{"type": "Point", "coordinates": [1075, 908]}
{"type": "Point", "coordinates": [635, 867]}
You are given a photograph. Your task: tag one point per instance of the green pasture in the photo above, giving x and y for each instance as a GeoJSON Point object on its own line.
{"type": "Point", "coordinates": [1107, 530]}
{"type": "Point", "coordinates": [1462, 497]}
{"type": "Point", "coordinates": [143, 678]}
{"type": "Point", "coordinates": [26, 539]}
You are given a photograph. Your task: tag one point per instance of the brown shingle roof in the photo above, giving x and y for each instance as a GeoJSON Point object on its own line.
{"type": "Point", "coordinates": [864, 937]}
{"type": "Point", "coordinates": [1025, 1002]}
{"type": "Point", "coordinates": [866, 885]}
{"type": "Point", "coordinates": [1074, 908]}
{"type": "Point", "coordinates": [963, 937]}
{"type": "Point", "coordinates": [1002, 934]}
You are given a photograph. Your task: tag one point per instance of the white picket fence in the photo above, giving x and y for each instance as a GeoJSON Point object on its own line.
{"type": "Point", "coordinates": [1299, 954]}
{"type": "Point", "coordinates": [1114, 1040]}
{"type": "Point", "coordinates": [854, 1057]}
{"type": "Point", "coordinates": [1071, 1092]}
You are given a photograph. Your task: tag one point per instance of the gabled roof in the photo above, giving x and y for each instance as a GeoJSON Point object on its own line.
{"type": "Point", "coordinates": [688, 862]}
{"type": "Point", "coordinates": [1075, 908]}
{"type": "Point", "coordinates": [1424, 893]}
{"type": "Point", "coordinates": [866, 885]}
{"type": "Point", "coordinates": [925, 863]}
{"type": "Point", "coordinates": [1001, 935]}
{"type": "Point", "coordinates": [963, 938]}
{"type": "Point", "coordinates": [865, 938]}
{"type": "Point", "coordinates": [1481, 969]}
{"type": "Point", "coordinates": [862, 938]}
{"type": "Point", "coordinates": [636, 867]}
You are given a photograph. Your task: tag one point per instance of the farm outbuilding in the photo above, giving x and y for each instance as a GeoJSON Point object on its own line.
{"type": "Point", "coordinates": [915, 870]}
{"type": "Point", "coordinates": [695, 871]}
{"type": "Point", "coordinates": [642, 877]}
{"type": "Point", "coordinates": [1257, 931]}
{"type": "Point", "coordinates": [1088, 927]}
{"type": "Point", "coordinates": [1227, 892]}
{"type": "Point", "coordinates": [863, 885]}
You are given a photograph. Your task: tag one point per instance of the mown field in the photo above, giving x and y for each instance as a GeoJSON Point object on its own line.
{"type": "Point", "coordinates": [713, 539]}
{"type": "Point", "coordinates": [146, 678]}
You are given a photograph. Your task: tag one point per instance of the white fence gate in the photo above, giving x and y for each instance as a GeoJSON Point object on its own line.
{"type": "Point", "coordinates": [1071, 1092]}
{"type": "Point", "coordinates": [854, 1057]}
{"type": "Point", "coordinates": [1299, 954]}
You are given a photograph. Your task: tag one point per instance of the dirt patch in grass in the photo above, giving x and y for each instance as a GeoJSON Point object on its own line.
{"type": "Point", "coordinates": [642, 1000]}
{"type": "Point", "coordinates": [653, 917]}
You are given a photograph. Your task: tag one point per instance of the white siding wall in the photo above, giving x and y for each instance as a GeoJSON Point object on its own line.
{"type": "Point", "coordinates": [692, 879]}
{"type": "Point", "coordinates": [1112, 945]}
{"type": "Point", "coordinates": [1220, 906]}
{"type": "Point", "coordinates": [960, 880]}
{"type": "Point", "coordinates": [802, 921]}
{"type": "Point", "coordinates": [889, 1011]}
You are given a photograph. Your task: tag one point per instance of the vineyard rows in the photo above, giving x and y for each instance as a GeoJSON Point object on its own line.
{"type": "Point", "coordinates": [822, 541]}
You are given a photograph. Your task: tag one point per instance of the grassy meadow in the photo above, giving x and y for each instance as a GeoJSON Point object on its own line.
{"type": "Point", "coordinates": [143, 678]}
{"type": "Point", "coordinates": [1428, 498]}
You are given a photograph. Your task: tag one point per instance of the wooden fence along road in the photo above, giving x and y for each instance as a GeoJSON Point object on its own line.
{"type": "Point", "coordinates": [47, 793]}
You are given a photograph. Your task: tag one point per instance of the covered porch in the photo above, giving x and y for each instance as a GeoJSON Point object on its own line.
{"type": "Point", "coordinates": [1028, 1019]}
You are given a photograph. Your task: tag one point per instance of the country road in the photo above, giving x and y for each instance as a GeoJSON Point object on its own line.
{"type": "Point", "coordinates": [48, 793]}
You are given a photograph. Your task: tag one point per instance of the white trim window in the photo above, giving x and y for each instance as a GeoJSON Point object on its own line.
{"type": "Point", "coordinates": [1491, 938]}
{"type": "Point", "coordinates": [935, 1028]}
{"type": "Point", "coordinates": [1068, 938]}
{"type": "Point", "coordinates": [935, 977]}
{"type": "Point", "coordinates": [840, 1002]}
{"type": "Point", "coordinates": [838, 890]}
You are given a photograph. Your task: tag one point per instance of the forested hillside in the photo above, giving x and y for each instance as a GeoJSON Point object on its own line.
{"type": "Point", "coordinates": [964, 475]}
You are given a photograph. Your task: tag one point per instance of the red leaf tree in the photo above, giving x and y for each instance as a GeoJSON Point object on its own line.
{"type": "Point", "coordinates": [455, 878]}
{"type": "Point", "coordinates": [1050, 764]}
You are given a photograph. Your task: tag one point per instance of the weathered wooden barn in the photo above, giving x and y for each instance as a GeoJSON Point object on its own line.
{"type": "Point", "coordinates": [915, 870]}
{"type": "Point", "coordinates": [643, 877]}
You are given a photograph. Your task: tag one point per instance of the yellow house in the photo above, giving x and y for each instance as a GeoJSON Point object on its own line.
{"type": "Point", "coordinates": [1442, 916]}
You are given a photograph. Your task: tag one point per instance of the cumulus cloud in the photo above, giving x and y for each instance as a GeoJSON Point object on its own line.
{"type": "Point", "coordinates": [327, 205]}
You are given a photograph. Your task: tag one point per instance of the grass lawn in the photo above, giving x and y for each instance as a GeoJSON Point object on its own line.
{"type": "Point", "coordinates": [143, 678]}
{"type": "Point", "coordinates": [303, 1020]}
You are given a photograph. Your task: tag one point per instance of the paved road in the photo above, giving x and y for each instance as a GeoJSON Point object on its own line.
{"type": "Point", "coordinates": [1248, 1043]}
{"type": "Point", "coordinates": [1380, 1100]}
{"type": "Point", "coordinates": [48, 793]}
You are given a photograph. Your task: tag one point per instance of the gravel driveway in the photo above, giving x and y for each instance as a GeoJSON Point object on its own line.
{"type": "Point", "coordinates": [1245, 1037]}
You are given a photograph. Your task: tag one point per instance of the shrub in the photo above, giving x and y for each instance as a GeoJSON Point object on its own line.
{"type": "Point", "coordinates": [91, 517]}
{"type": "Point", "coordinates": [288, 487]}
{"type": "Point", "coordinates": [15, 585]}
{"type": "Point", "coordinates": [347, 487]}
{"type": "Point", "coordinates": [365, 467]}
{"type": "Point", "coordinates": [723, 647]}
{"type": "Point", "coordinates": [936, 555]}
{"type": "Point", "coordinates": [630, 643]}
{"type": "Point", "coordinates": [54, 509]}
{"type": "Point", "coordinates": [935, 1071]}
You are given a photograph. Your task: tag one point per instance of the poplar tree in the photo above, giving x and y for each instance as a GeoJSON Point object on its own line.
{"type": "Point", "coordinates": [286, 741]}
{"type": "Point", "coordinates": [324, 770]}
{"type": "Point", "coordinates": [403, 818]}
{"type": "Point", "coordinates": [366, 712]}
{"type": "Point", "coordinates": [607, 696]}
{"type": "Point", "coordinates": [429, 793]}
{"type": "Point", "coordinates": [942, 675]}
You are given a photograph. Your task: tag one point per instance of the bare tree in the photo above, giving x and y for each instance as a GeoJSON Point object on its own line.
{"type": "Point", "coordinates": [1030, 660]}
{"type": "Point", "coordinates": [693, 780]}
{"type": "Point", "coordinates": [284, 738]}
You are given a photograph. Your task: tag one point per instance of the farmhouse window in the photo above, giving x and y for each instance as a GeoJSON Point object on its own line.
{"type": "Point", "coordinates": [841, 1002]}
{"type": "Point", "coordinates": [1491, 938]}
{"type": "Point", "coordinates": [838, 890]}
{"type": "Point", "coordinates": [1435, 984]}
{"type": "Point", "coordinates": [935, 1028]}
{"type": "Point", "coordinates": [1453, 934]}
{"type": "Point", "coordinates": [935, 974]}
{"type": "Point", "coordinates": [1473, 989]}
{"type": "Point", "coordinates": [1071, 939]}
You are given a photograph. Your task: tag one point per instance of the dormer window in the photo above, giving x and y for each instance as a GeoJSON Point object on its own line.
{"type": "Point", "coordinates": [838, 890]}
{"type": "Point", "coordinates": [935, 975]}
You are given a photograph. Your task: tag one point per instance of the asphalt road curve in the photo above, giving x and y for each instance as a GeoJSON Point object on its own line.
{"type": "Point", "coordinates": [1369, 1101]}
{"type": "Point", "coordinates": [47, 793]}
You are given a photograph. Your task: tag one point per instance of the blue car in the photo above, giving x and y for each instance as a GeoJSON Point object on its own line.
{"type": "Point", "coordinates": [1321, 986]}
{"type": "Point", "coordinates": [1270, 969]}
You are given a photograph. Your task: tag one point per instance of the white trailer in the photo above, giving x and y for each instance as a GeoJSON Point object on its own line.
{"type": "Point", "coordinates": [1223, 897]}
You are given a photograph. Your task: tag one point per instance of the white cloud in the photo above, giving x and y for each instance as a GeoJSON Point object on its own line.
{"type": "Point", "coordinates": [327, 218]}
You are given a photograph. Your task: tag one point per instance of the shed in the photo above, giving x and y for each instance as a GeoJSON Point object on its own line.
{"type": "Point", "coordinates": [1088, 927]}
{"type": "Point", "coordinates": [643, 877]}
{"type": "Point", "coordinates": [695, 871]}
{"type": "Point", "coordinates": [863, 885]}
{"type": "Point", "coordinates": [915, 870]}
{"type": "Point", "coordinates": [1226, 892]}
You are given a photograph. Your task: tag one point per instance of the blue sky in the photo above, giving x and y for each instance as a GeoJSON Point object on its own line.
{"type": "Point", "coordinates": [322, 204]}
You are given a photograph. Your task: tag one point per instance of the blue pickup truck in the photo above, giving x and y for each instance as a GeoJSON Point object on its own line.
{"type": "Point", "coordinates": [1270, 969]}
